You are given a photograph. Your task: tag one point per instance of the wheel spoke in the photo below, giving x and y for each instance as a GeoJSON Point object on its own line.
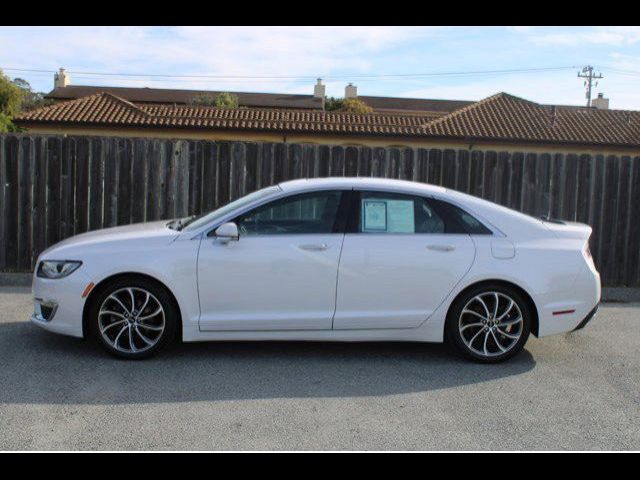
{"type": "Point", "coordinates": [151, 315]}
{"type": "Point", "coordinates": [495, 309]}
{"type": "Point", "coordinates": [469, 325]}
{"type": "Point", "coordinates": [511, 322]}
{"type": "Point", "coordinates": [511, 304]}
{"type": "Point", "coordinates": [471, 312]}
{"type": "Point", "coordinates": [495, 339]}
{"type": "Point", "coordinates": [143, 337]}
{"type": "Point", "coordinates": [150, 327]}
{"type": "Point", "coordinates": [474, 337]}
{"type": "Point", "coordinates": [484, 305]}
{"type": "Point", "coordinates": [133, 347]}
{"type": "Point", "coordinates": [119, 322]}
{"type": "Point", "coordinates": [109, 312]}
{"type": "Point", "coordinates": [115, 341]}
{"type": "Point", "coordinates": [146, 301]}
{"type": "Point", "coordinates": [133, 299]}
{"type": "Point", "coordinates": [484, 345]}
{"type": "Point", "coordinates": [113, 297]}
{"type": "Point", "coordinates": [508, 335]}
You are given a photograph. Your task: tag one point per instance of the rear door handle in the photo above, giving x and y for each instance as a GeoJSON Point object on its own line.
{"type": "Point", "coordinates": [314, 247]}
{"type": "Point", "coordinates": [441, 248]}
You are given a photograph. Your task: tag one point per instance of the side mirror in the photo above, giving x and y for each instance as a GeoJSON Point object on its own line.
{"type": "Point", "coordinates": [227, 232]}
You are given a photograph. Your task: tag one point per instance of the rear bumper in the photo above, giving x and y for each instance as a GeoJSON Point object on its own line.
{"type": "Point", "coordinates": [568, 310]}
{"type": "Point", "coordinates": [587, 319]}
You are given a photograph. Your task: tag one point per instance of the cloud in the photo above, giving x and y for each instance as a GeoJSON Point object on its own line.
{"type": "Point", "coordinates": [308, 51]}
{"type": "Point", "coordinates": [613, 36]}
{"type": "Point", "coordinates": [559, 89]}
{"type": "Point", "coordinates": [334, 51]}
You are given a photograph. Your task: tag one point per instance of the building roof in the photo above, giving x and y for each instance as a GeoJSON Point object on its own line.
{"type": "Point", "coordinates": [507, 117]}
{"type": "Point", "coordinates": [109, 110]}
{"type": "Point", "coordinates": [173, 96]}
{"type": "Point", "coordinates": [399, 104]}
{"type": "Point", "coordinates": [501, 117]}
{"type": "Point", "coordinates": [259, 100]}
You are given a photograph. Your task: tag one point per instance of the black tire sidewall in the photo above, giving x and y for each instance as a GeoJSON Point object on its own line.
{"type": "Point", "coordinates": [171, 314]}
{"type": "Point", "coordinates": [452, 332]}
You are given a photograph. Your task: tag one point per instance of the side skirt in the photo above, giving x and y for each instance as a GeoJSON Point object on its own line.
{"type": "Point", "coordinates": [428, 332]}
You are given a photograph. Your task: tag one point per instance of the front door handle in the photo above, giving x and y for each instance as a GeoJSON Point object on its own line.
{"type": "Point", "coordinates": [441, 248]}
{"type": "Point", "coordinates": [314, 247]}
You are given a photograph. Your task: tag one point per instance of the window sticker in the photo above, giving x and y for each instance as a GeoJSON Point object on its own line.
{"type": "Point", "coordinates": [401, 216]}
{"type": "Point", "coordinates": [374, 218]}
{"type": "Point", "coordinates": [388, 216]}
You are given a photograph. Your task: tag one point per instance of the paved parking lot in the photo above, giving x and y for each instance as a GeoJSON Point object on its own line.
{"type": "Point", "coordinates": [577, 391]}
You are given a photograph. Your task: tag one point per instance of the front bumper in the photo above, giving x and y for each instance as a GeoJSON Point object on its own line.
{"type": "Point", "coordinates": [58, 304]}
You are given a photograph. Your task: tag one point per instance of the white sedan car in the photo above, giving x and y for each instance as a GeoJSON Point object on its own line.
{"type": "Point", "coordinates": [334, 259]}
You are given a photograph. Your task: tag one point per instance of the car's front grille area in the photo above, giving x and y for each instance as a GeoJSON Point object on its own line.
{"type": "Point", "coordinates": [45, 310]}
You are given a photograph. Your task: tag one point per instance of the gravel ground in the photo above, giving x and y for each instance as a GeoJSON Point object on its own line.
{"type": "Point", "coordinates": [577, 391]}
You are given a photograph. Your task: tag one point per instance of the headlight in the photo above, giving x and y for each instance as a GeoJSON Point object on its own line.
{"type": "Point", "coordinates": [57, 268]}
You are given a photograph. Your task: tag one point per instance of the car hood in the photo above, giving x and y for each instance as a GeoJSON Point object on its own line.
{"type": "Point", "coordinates": [128, 234]}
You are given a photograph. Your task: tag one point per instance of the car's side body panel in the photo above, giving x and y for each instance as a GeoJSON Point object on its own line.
{"type": "Point", "coordinates": [277, 282]}
{"type": "Point", "coordinates": [398, 280]}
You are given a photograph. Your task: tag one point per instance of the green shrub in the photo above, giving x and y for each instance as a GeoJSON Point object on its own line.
{"type": "Point", "coordinates": [221, 100]}
{"type": "Point", "coordinates": [348, 105]}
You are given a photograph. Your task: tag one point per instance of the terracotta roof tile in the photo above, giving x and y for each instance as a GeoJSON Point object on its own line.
{"type": "Point", "coordinates": [501, 117]}
{"type": "Point", "coordinates": [506, 117]}
{"type": "Point", "coordinates": [172, 96]}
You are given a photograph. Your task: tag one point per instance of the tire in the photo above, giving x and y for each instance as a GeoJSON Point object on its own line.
{"type": "Point", "coordinates": [138, 331]}
{"type": "Point", "coordinates": [476, 332]}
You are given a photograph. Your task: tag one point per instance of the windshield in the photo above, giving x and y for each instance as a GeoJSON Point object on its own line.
{"type": "Point", "coordinates": [197, 222]}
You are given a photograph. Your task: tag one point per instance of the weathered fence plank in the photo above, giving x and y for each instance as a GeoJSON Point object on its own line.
{"type": "Point", "coordinates": [25, 202]}
{"type": "Point", "coordinates": [52, 187]}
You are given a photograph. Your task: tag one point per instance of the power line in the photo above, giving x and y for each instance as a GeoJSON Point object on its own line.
{"type": "Point", "coordinates": [298, 77]}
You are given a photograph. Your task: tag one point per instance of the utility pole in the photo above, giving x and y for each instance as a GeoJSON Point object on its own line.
{"type": "Point", "coordinates": [587, 72]}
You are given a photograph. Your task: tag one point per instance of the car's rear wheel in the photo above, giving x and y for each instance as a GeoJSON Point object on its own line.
{"type": "Point", "coordinates": [133, 317]}
{"type": "Point", "coordinates": [489, 323]}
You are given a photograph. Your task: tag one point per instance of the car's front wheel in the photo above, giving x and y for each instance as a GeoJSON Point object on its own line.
{"type": "Point", "coordinates": [133, 317]}
{"type": "Point", "coordinates": [489, 323]}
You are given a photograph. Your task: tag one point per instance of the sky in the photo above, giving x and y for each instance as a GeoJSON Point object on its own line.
{"type": "Point", "coordinates": [339, 55]}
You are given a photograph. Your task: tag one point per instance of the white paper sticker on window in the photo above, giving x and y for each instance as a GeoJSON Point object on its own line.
{"type": "Point", "coordinates": [388, 216]}
{"type": "Point", "coordinates": [400, 216]}
{"type": "Point", "coordinates": [375, 216]}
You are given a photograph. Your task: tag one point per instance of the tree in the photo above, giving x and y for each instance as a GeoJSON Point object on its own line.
{"type": "Point", "coordinates": [221, 100]}
{"type": "Point", "coordinates": [331, 104]}
{"type": "Point", "coordinates": [10, 100]}
{"type": "Point", "coordinates": [347, 105]}
{"type": "Point", "coordinates": [355, 105]}
{"type": "Point", "coordinates": [30, 99]}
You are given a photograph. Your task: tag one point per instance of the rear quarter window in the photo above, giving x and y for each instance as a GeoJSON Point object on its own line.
{"type": "Point", "coordinates": [464, 220]}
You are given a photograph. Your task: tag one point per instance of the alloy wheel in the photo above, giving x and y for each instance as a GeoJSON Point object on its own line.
{"type": "Point", "coordinates": [491, 324]}
{"type": "Point", "coordinates": [131, 320]}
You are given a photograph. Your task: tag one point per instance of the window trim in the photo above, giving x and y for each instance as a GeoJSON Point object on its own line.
{"type": "Point", "coordinates": [339, 223]}
{"type": "Point", "coordinates": [209, 230]}
{"type": "Point", "coordinates": [437, 203]}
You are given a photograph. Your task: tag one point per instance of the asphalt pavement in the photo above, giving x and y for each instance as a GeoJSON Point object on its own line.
{"type": "Point", "coordinates": [576, 391]}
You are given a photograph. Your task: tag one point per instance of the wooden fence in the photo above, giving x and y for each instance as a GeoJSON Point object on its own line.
{"type": "Point", "coordinates": [52, 187]}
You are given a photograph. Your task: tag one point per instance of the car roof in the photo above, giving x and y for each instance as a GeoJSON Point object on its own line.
{"type": "Point", "coordinates": [359, 182]}
{"type": "Point", "coordinates": [504, 220]}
